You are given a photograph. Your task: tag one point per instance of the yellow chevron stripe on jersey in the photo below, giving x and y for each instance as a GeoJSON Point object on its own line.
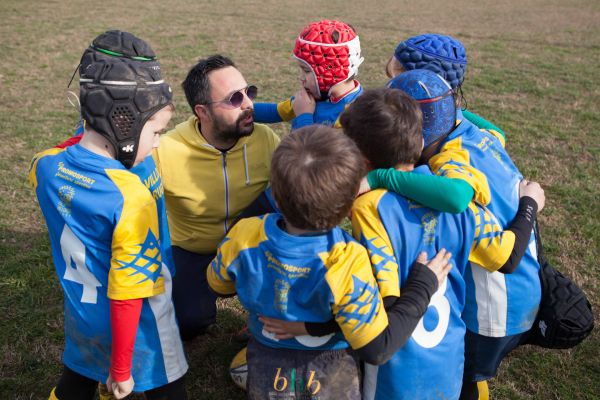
{"type": "Point", "coordinates": [491, 246]}
{"type": "Point", "coordinates": [252, 234]}
{"type": "Point", "coordinates": [365, 222]}
{"type": "Point", "coordinates": [33, 166]}
{"type": "Point", "coordinates": [358, 307]}
{"type": "Point", "coordinates": [136, 264]}
{"type": "Point", "coordinates": [498, 136]}
{"type": "Point", "coordinates": [453, 162]}
{"type": "Point", "coordinates": [285, 110]}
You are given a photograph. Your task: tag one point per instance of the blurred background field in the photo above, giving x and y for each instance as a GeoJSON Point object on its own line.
{"type": "Point", "coordinates": [533, 71]}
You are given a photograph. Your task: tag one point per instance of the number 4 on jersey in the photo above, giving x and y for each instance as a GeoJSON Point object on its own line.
{"type": "Point", "coordinates": [73, 252]}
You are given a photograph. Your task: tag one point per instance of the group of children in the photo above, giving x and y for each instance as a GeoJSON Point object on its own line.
{"type": "Point", "coordinates": [438, 283]}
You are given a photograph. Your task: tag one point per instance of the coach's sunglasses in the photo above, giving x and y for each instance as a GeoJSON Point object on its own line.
{"type": "Point", "coordinates": [237, 98]}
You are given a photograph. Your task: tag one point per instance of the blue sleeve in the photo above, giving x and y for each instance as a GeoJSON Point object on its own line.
{"type": "Point", "coordinates": [302, 120]}
{"type": "Point", "coordinates": [266, 113]}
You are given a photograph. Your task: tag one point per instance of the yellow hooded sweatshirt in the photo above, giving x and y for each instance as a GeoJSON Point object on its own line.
{"type": "Point", "coordinates": [205, 188]}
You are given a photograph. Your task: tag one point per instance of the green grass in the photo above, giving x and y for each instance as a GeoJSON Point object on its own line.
{"type": "Point", "coordinates": [533, 71]}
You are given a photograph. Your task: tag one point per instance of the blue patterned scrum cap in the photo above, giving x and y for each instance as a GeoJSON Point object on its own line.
{"type": "Point", "coordinates": [435, 97]}
{"type": "Point", "coordinates": [441, 54]}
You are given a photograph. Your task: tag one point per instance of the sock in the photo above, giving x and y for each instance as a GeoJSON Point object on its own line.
{"type": "Point", "coordinates": [484, 392]}
{"type": "Point", "coordinates": [53, 395]}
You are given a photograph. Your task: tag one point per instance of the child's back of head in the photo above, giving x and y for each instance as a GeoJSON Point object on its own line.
{"type": "Point", "coordinates": [385, 124]}
{"type": "Point", "coordinates": [315, 175]}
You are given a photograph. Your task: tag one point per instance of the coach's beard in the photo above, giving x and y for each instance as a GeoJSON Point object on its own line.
{"type": "Point", "coordinates": [243, 126]}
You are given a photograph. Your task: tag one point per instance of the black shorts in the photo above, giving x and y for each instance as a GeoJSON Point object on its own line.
{"type": "Point", "coordinates": [484, 354]}
{"type": "Point", "coordinates": [286, 374]}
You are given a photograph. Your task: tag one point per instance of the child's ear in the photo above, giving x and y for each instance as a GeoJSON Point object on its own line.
{"type": "Point", "coordinates": [368, 164]}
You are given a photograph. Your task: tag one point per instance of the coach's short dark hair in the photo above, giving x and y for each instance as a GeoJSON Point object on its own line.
{"type": "Point", "coordinates": [315, 175]}
{"type": "Point", "coordinates": [196, 85]}
{"type": "Point", "coordinates": [386, 126]}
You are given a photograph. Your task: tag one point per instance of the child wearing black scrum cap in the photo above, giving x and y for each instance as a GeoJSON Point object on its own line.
{"type": "Point", "coordinates": [108, 233]}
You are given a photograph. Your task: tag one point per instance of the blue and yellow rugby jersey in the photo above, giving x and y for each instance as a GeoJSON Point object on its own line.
{"type": "Point", "coordinates": [150, 177]}
{"type": "Point", "coordinates": [504, 304]}
{"type": "Point", "coordinates": [394, 230]}
{"type": "Point", "coordinates": [327, 112]}
{"type": "Point", "coordinates": [105, 238]}
{"type": "Point", "coordinates": [300, 278]}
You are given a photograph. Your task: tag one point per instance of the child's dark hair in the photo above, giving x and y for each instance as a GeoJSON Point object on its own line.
{"type": "Point", "coordinates": [196, 85]}
{"type": "Point", "coordinates": [315, 175]}
{"type": "Point", "coordinates": [386, 126]}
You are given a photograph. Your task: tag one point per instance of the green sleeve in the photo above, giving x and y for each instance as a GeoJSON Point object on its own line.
{"type": "Point", "coordinates": [437, 192]}
{"type": "Point", "coordinates": [481, 123]}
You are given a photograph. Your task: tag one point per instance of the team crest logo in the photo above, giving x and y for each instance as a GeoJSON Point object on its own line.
{"type": "Point", "coordinates": [281, 289]}
{"type": "Point", "coordinates": [429, 223]}
{"type": "Point", "coordinates": [65, 196]}
{"type": "Point", "coordinates": [146, 262]}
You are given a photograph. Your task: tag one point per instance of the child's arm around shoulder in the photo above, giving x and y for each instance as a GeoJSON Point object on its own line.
{"type": "Point", "coordinates": [372, 332]}
{"type": "Point", "coordinates": [436, 192]}
{"type": "Point", "coordinates": [497, 250]}
{"type": "Point", "coordinates": [453, 161]}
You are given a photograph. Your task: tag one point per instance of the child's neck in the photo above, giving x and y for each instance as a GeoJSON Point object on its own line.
{"type": "Point", "coordinates": [96, 143]}
{"type": "Point", "coordinates": [341, 90]}
{"type": "Point", "coordinates": [405, 167]}
{"type": "Point", "coordinates": [292, 230]}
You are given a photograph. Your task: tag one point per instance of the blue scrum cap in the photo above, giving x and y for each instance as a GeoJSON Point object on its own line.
{"type": "Point", "coordinates": [441, 54]}
{"type": "Point", "coordinates": [435, 97]}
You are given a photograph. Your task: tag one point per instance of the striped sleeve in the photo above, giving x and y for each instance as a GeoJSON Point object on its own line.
{"type": "Point", "coordinates": [453, 161]}
{"type": "Point", "coordinates": [491, 246]}
{"type": "Point", "coordinates": [357, 307]}
{"type": "Point", "coordinates": [368, 229]}
{"type": "Point", "coordinates": [136, 263]}
{"type": "Point", "coordinates": [247, 233]}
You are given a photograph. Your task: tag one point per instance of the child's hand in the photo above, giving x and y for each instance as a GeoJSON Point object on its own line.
{"type": "Point", "coordinates": [364, 186]}
{"type": "Point", "coordinates": [119, 389]}
{"type": "Point", "coordinates": [439, 265]}
{"type": "Point", "coordinates": [533, 190]}
{"type": "Point", "coordinates": [283, 329]}
{"type": "Point", "coordinates": [303, 103]}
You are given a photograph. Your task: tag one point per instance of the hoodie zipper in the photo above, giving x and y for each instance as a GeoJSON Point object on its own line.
{"type": "Point", "coordinates": [226, 179]}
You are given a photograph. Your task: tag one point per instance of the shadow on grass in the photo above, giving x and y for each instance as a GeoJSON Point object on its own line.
{"type": "Point", "coordinates": [30, 315]}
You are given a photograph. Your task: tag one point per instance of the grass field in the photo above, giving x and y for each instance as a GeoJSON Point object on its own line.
{"type": "Point", "coordinates": [533, 70]}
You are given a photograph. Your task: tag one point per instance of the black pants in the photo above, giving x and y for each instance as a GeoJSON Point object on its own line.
{"type": "Point", "coordinates": [73, 386]}
{"type": "Point", "coordinates": [195, 304]}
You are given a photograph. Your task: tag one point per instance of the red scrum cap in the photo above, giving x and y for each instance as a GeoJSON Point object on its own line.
{"type": "Point", "coordinates": [332, 50]}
